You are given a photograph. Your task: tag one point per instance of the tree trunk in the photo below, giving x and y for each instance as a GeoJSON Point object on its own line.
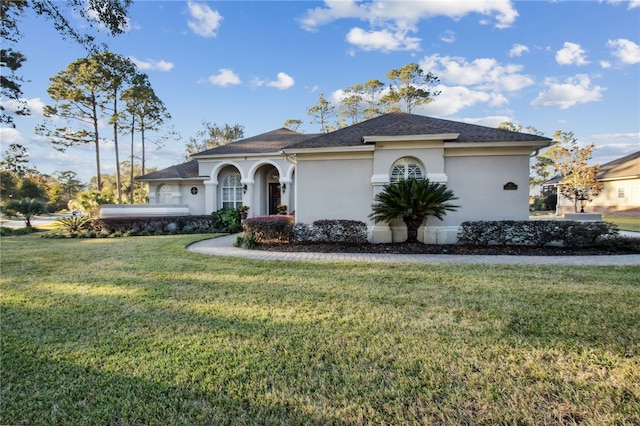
{"type": "Point", "coordinates": [412, 229]}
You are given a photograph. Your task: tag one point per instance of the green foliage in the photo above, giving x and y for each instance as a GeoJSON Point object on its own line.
{"type": "Point", "coordinates": [73, 224]}
{"type": "Point", "coordinates": [536, 232]}
{"type": "Point", "coordinates": [140, 331]}
{"type": "Point", "coordinates": [412, 200]}
{"type": "Point", "coordinates": [213, 136]}
{"type": "Point", "coordinates": [245, 241]}
{"type": "Point", "coordinates": [270, 228]}
{"type": "Point", "coordinates": [409, 88]}
{"type": "Point", "coordinates": [340, 231]}
{"type": "Point", "coordinates": [229, 220]}
{"type": "Point", "coordinates": [25, 207]}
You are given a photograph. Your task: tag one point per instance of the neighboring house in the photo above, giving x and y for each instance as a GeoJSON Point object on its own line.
{"type": "Point", "coordinates": [620, 195]}
{"type": "Point", "coordinates": [338, 174]}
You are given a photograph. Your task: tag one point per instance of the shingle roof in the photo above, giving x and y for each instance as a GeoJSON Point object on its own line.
{"type": "Point", "coordinates": [626, 166]}
{"type": "Point", "coordinates": [402, 124]}
{"type": "Point", "coordinates": [180, 171]}
{"type": "Point", "coordinates": [264, 143]}
{"type": "Point", "coordinates": [393, 124]}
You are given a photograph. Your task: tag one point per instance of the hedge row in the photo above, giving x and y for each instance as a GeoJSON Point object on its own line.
{"type": "Point", "coordinates": [269, 228]}
{"type": "Point", "coordinates": [535, 233]}
{"type": "Point", "coordinates": [263, 229]}
{"type": "Point", "coordinates": [155, 225]}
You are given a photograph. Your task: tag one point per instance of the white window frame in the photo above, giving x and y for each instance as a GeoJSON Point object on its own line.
{"type": "Point", "coordinates": [231, 191]}
{"type": "Point", "coordinates": [405, 168]}
{"type": "Point", "coordinates": [165, 195]}
{"type": "Point", "coordinates": [622, 193]}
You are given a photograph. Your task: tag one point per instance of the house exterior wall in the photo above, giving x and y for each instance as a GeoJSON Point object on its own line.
{"type": "Point", "coordinates": [478, 180]}
{"type": "Point", "coordinates": [618, 198]}
{"type": "Point", "coordinates": [333, 187]}
{"type": "Point", "coordinates": [180, 195]}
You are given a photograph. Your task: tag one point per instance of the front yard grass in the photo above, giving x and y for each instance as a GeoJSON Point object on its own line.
{"type": "Point", "coordinates": [141, 331]}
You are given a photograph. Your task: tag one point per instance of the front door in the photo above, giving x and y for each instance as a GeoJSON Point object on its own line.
{"type": "Point", "coordinates": [274, 198]}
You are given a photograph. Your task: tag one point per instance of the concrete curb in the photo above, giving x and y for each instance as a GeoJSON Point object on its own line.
{"type": "Point", "coordinates": [223, 246]}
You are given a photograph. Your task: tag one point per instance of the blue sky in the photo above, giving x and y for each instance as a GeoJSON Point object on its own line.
{"type": "Point", "coordinates": [557, 65]}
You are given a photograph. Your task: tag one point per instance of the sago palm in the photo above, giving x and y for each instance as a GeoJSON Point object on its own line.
{"type": "Point", "coordinates": [412, 200]}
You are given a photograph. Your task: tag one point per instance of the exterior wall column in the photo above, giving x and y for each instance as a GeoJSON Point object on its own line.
{"type": "Point", "coordinates": [247, 195]}
{"type": "Point", "coordinates": [379, 232]}
{"type": "Point", "coordinates": [285, 193]}
{"type": "Point", "coordinates": [210, 196]}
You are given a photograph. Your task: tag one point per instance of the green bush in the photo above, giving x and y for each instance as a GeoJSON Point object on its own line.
{"type": "Point", "coordinates": [270, 228]}
{"type": "Point", "coordinates": [228, 220]}
{"type": "Point", "coordinates": [246, 241]}
{"type": "Point", "coordinates": [73, 224]}
{"type": "Point", "coordinates": [341, 231]}
{"type": "Point", "coordinates": [535, 233]}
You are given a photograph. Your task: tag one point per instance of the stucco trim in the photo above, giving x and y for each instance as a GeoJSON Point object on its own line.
{"type": "Point", "coordinates": [405, 138]}
{"type": "Point", "coordinates": [333, 149]}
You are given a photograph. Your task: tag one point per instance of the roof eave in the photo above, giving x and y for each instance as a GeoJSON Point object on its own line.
{"type": "Point", "coordinates": [351, 148]}
{"type": "Point", "coordinates": [404, 138]}
{"type": "Point", "coordinates": [498, 144]}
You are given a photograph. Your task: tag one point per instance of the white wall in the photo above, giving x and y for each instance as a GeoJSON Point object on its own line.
{"type": "Point", "coordinates": [478, 182]}
{"type": "Point", "coordinates": [333, 188]}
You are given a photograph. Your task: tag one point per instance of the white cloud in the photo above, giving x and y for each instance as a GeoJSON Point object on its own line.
{"type": "Point", "coordinates": [575, 90]}
{"type": "Point", "coordinates": [206, 21]}
{"type": "Point", "coordinates": [518, 50]}
{"type": "Point", "coordinates": [605, 64]}
{"type": "Point", "coordinates": [626, 50]}
{"type": "Point", "coordinates": [571, 54]}
{"type": "Point", "coordinates": [448, 36]}
{"type": "Point", "coordinates": [485, 73]}
{"type": "Point", "coordinates": [453, 99]}
{"type": "Point", "coordinates": [9, 135]}
{"type": "Point", "coordinates": [151, 64]}
{"type": "Point", "coordinates": [34, 105]}
{"type": "Point", "coordinates": [225, 77]}
{"type": "Point", "coordinates": [383, 40]}
{"type": "Point", "coordinates": [283, 82]}
{"type": "Point", "coordinates": [631, 4]}
{"type": "Point", "coordinates": [391, 21]}
{"type": "Point", "coordinates": [489, 121]}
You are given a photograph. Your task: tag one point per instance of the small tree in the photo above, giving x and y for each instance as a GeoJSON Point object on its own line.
{"type": "Point", "coordinates": [412, 200]}
{"type": "Point", "coordinates": [321, 113]}
{"type": "Point", "coordinates": [410, 88]}
{"type": "Point", "coordinates": [25, 207]}
{"type": "Point", "coordinates": [579, 180]}
{"type": "Point", "coordinates": [213, 136]}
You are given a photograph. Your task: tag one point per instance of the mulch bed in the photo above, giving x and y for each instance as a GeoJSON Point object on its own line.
{"type": "Point", "coordinates": [406, 248]}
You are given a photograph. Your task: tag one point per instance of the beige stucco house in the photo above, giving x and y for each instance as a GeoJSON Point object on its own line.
{"type": "Point", "coordinates": [338, 174]}
{"type": "Point", "coordinates": [620, 195]}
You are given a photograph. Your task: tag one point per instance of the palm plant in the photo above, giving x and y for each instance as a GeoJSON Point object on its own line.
{"type": "Point", "coordinates": [27, 208]}
{"type": "Point", "coordinates": [412, 200]}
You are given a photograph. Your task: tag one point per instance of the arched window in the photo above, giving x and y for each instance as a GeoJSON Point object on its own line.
{"type": "Point", "coordinates": [164, 194]}
{"type": "Point", "coordinates": [405, 168]}
{"type": "Point", "coordinates": [231, 191]}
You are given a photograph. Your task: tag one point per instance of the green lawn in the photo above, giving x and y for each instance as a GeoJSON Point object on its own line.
{"type": "Point", "coordinates": [625, 224]}
{"type": "Point", "coordinates": [140, 331]}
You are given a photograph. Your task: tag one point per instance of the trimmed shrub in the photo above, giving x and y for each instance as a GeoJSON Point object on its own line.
{"type": "Point", "coordinates": [535, 233]}
{"type": "Point", "coordinates": [269, 228]}
{"type": "Point", "coordinates": [341, 231]}
{"type": "Point", "coordinates": [156, 225]}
